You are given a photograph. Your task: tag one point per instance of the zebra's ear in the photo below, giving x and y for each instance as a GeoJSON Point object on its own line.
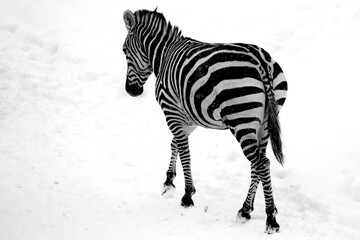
{"type": "Point", "coordinates": [129, 20]}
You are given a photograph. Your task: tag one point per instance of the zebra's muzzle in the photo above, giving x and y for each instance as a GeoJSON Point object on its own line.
{"type": "Point", "coordinates": [134, 90]}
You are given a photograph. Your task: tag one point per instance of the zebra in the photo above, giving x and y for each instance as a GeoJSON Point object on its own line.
{"type": "Point", "coordinates": [214, 85]}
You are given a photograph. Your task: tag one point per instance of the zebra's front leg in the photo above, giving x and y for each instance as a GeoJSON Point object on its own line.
{"type": "Point", "coordinates": [184, 152]}
{"type": "Point", "coordinates": [169, 187]}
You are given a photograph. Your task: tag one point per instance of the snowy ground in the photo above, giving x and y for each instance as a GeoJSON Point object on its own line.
{"type": "Point", "coordinates": [82, 160]}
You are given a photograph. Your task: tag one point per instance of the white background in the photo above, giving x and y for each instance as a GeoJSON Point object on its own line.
{"type": "Point", "coordinates": [80, 159]}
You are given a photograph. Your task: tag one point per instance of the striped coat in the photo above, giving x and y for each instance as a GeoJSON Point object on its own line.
{"type": "Point", "coordinates": [219, 86]}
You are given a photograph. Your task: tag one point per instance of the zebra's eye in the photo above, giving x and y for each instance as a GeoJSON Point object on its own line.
{"type": "Point", "coordinates": [124, 50]}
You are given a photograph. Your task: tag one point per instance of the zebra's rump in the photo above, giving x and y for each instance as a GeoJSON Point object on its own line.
{"type": "Point", "coordinates": [222, 84]}
{"type": "Point", "coordinates": [229, 100]}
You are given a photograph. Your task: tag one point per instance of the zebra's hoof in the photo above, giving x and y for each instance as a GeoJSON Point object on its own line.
{"type": "Point", "coordinates": [242, 216]}
{"type": "Point", "coordinates": [186, 201]}
{"type": "Point", "coordinates": [168, 190]}
{"type": "Point", "coordinates": [272, 226]}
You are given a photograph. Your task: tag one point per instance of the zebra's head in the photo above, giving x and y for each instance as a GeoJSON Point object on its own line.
{"type": "Point", "coordinates": [138, 64]}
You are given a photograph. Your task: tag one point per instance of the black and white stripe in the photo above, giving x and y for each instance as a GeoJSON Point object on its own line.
{"type": "Point", "coordinates": [218, 86]}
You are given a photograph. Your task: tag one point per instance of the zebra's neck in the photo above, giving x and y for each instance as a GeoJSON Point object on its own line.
{"type": "Point", "coordinates": [159, 44]}
{"type": "Point", "coordinates": [157, 36]}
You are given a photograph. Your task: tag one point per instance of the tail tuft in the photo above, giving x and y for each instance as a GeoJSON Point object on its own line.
{"type": "Point", "coordinates": [274, 130]}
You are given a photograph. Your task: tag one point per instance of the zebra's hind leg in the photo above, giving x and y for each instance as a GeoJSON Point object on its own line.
{"type": "Point", "coordinates": [169, 187]}
{"type": "Point", "coordinates": [252, 147]}
{"type": "Point", "coordinates": [271, 211]}
{"type": "Point", "coordinates": [264, 173]}
{"type": "Point", "coordinates": [248, 206]}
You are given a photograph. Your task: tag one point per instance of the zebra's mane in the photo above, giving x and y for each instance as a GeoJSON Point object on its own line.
{"type": "Point", "coordinates": [158, 20]}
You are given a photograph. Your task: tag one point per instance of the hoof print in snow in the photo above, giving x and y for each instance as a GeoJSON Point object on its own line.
{"type": "Point", "coordinates": [272, 226]}
{"type": "Point", "coordinates": [168, 190]}
{"type": "Point", "coordinates": [186, 201]}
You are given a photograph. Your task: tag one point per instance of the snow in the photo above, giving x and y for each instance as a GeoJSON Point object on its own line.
{"type": "Point", "coordinates": [80, 159]}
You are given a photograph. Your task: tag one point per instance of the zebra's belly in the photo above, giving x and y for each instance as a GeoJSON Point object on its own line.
{"type": "Point", "coordinates": [213, 124]}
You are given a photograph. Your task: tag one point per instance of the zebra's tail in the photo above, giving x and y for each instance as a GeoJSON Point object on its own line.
{"type": "Point", "coordinates": [273, 111]}
{"type": "Point", "coordinates": [270, 71]}
{"type": "Point", "coordinates": [274, 127]}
